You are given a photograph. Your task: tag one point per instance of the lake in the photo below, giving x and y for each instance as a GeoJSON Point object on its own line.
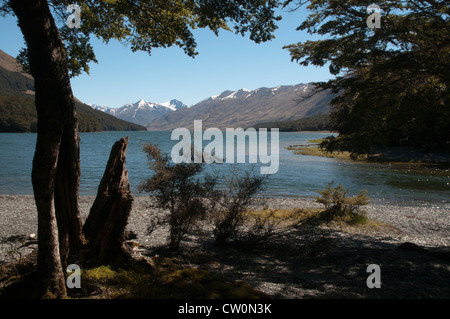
{"type": "Point", "coordinates": [298, 175]}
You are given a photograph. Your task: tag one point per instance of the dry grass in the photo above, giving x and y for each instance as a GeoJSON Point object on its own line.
{"type": "Point", "coordinates": [317, 216]}
{"type": "Point", "coordinates": [315, 150]}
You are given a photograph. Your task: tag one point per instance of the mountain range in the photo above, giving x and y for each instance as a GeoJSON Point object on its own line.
{"type": "Point", "coordinates": [142, 112]}
{"type": "Point", "coordinates": [247, 108]}
{"type": "Point", "coordinates": [240, 108]}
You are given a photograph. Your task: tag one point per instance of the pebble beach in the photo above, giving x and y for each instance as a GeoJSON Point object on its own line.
{"type": "Point", "coordinates": [316, 262]}
{"type": "Point", "coordinates": [424, 224]}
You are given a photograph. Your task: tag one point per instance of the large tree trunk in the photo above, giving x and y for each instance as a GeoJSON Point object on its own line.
{"type": "Point", "coordinates": [57, 153]}
{"type": "Point", "coordinates": [67, 184]}
{"type": "Point", "coordinates": [105, 226]}
{"type": "Point", "coordinates": [56, 162]}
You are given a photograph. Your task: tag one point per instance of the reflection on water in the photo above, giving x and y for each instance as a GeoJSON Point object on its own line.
{"type": "Point", "coordinates": [298, 175]}
{"type": "Point", "coordinates": [420, 178]}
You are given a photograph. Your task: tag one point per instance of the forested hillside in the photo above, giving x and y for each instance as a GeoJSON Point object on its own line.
{"type": "Point", "coordinates": [312, 123]}
{"type": "Point", "coordinates": [18, 113]}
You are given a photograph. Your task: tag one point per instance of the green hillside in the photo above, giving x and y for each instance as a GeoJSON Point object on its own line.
{"type": "Point", "coordinates": [18, 113]}
{"type": "Point", "coordinates": [311, 123]}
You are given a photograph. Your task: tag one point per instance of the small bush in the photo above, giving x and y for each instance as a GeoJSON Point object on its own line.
{"type": "Point", "coordinates": [14, 253]}
{"type": "Point", "coordinates": [339, 207]}
{"type": "Point", "coordinates": [177, 188]}
{"type": "Point", "coordinates": [268, 223]}
{"type": "Point", "coordinates": [191, 199]}
{"type": "Point", "coordinates": [230, 207]}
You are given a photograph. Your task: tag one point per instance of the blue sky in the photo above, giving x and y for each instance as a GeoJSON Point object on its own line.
{"type": "Point", "coordinates": [227, 62]}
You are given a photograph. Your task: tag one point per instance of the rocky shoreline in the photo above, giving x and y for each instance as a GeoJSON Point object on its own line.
{"type": "Point", "coordinates": [308, 263]}
{"type": "Point", "coordinates": [424, 224]}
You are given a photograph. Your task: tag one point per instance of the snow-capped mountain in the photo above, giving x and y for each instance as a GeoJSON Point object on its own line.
{"type": "Point", "coordinates": [142, 112]}
{"type": "Point", "coordinates": [245, 108]}
{"type": "Point", "coordinates": [261, 92]}
{"type": "Point", "coordinates": [102, 108]}
{"type": "Point", "coordinates": [240, 108]}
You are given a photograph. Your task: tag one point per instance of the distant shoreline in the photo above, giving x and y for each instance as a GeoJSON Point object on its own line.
{"type": "Point", "coordinates": [393, 155]}
{"type": "Point", "coordinates": [331, 132]}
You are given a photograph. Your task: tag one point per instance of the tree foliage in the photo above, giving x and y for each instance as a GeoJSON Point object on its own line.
{"type": "Point", "coordinates": [393, 81]}
{"type": "Point", "coordinates": [311, 123]}
{"type": "Point", "coordinates": [146, 25]}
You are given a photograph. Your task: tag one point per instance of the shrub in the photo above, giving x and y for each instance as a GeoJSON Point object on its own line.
{"type": "Point", "coordinates": [177, 188]}
{"type": "Point", "coordinates": [339, 207]}
{"type": "Point", "coordinates": [189, 199]}
{"type": "Point", "coordinates": [14, 253]}
{"type": "Point", "coordinates": [230, 206]}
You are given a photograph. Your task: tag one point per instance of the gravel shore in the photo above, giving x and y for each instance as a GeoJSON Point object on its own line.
{"type": "Point", "coordinates": [424, 224]}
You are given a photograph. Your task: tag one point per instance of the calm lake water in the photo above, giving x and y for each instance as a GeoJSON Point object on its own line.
{"type": "Point", "coordinates": [298, 175]}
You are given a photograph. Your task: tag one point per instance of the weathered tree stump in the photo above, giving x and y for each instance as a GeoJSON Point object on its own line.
{"type": "Point", "coordinates": [104, 228]}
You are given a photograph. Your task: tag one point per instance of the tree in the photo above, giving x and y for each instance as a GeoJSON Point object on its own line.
{"type": "Point", "coordinates": [52, 52]}
{"type": "Point", "coordinates": [393, 81]}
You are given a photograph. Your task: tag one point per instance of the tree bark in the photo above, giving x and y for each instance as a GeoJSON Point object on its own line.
{"type": "Point", "coordinates": [105, 226]}
{"type": "Point", "coordinates": [68, 174]}
{"type": "Point", "coordinates": [55, 162]}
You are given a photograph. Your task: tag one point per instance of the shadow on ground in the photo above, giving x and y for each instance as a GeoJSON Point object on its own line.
{"type": "Point", "coordinates": [325, 263]}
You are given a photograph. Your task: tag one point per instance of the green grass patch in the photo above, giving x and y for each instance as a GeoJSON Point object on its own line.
{"type": "Point", "coordinates": [163, 279]}
{"type": "Point", "coordinates": [316, 141]}
{"type": "Point", "coordinates": [156, 278]}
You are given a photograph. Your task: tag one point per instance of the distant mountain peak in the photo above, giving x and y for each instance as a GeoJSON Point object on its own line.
{"type": "Point", "coordinates": [142, 112]}
{"type": "Point", "coordinates": [244, 107]}
{"type": "Point", "coordinates": [142, 103]}
{"type": "Point", "coordinates": [175, 104]}
{"type": "Point", "coordinates": [246, 93]}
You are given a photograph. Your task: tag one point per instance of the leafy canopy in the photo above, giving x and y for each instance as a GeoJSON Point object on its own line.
{"type": "Point", "coordinates": [145, 25]}
{"type": "Point", "coordinates": [393, 81]}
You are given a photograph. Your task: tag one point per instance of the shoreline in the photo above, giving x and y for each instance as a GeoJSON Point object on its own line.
{"type": "Point", "coordinates": [391, 155]}
{"type": "Point", "coordinates": [291, 197]}
{"type": "Point", "coordinates": [420, 223]}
